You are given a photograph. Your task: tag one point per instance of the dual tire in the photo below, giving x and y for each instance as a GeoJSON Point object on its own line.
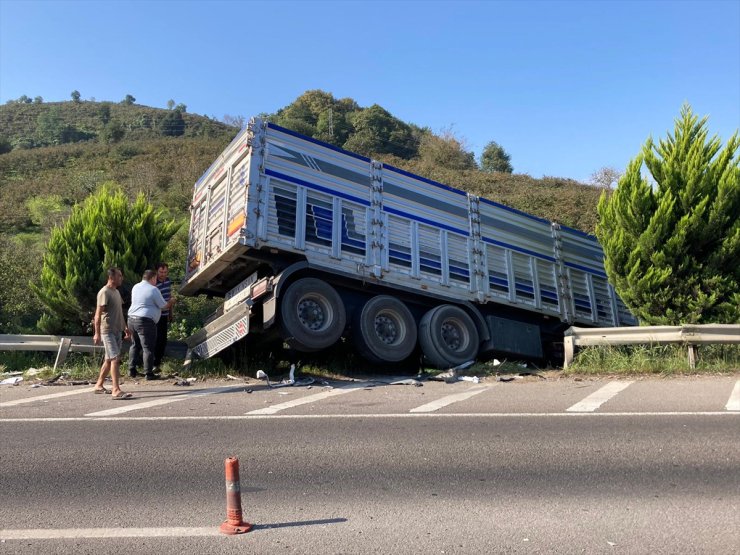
{"type": "Point", "coordinates": [313, 317]}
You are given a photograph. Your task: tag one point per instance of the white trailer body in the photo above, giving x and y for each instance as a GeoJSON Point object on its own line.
{"type": "Point", "coordinates": [275, 198]}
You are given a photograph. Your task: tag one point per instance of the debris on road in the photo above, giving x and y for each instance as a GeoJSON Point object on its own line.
{"type": "Point", "coordinates": [291, 381]}
{"type": "Point", "coordinates": [409, 381]}
{"type": "Point", "coordinates": [12, 381]}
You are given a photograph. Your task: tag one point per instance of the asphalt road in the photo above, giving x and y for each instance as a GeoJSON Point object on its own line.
{"type": "Point", "coordinates": [374, 477]}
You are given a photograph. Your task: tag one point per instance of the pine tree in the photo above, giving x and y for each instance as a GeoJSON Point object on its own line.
{"type": "Point", "coordinates": [495, 159]}
{"type": "Point", "coordinates": [105, 230]}
{"type": "Point", "coordinates": [672, 249]}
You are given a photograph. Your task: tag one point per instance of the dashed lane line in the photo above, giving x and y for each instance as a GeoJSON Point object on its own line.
{"type": "Point", "coordinates": [45, 397]}
{"type": "Point", "coordinates": [733, 402]}
{"type": "Point", "coordinates": [599, 397]}
{"type": "Point", "coordinates": [79, 533]}
{"type": "Point", "coordinates": [273, 409]}
{"type": "Point", "coordinates": [131, 405]}
{"type": "Point", "coordinates": [449, 399]}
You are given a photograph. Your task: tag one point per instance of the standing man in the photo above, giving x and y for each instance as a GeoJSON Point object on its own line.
{"type": "Point", "coordinates": [147, 304]}
{"type": "Point", "coordinates": [109, 325]}
{"type": "Point", "coordinates": [165, 287]}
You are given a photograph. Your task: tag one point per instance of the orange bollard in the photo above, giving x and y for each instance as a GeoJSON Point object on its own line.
{"type": "Point", "coordinates": [234, 523]}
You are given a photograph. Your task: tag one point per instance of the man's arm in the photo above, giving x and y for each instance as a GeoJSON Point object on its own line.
{"type": "Point", "coordinates": [96, 324]}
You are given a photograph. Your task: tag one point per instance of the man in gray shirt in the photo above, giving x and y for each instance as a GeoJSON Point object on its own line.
{"type": "Point", "coordinates": [109, 326]}
{"type": "Point", "coordinates": [147, 304]}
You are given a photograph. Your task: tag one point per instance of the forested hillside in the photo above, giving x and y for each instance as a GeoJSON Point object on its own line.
{"type": "Point", "coordinates": [53, 155]}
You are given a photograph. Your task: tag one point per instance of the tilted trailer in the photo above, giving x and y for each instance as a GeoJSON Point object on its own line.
{"type": "Point", "coordinates": [312, 242]}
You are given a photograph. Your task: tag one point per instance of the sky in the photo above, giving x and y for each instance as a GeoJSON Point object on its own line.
{"type": "Point", "coordinates": [565, 87]}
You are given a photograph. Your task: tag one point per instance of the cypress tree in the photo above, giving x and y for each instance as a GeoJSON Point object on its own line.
{"type": "Point", "coordinates": [105, 230]}
{"type": "Point", "coordinates": [672, 248]}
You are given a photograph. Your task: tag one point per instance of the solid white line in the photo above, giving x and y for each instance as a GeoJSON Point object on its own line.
{"type": "Point", "coordinates": [305, 400]}
{"type": "Point", "coordinates": [733, 402]}
{"type": "Point", "coordinates": [45, 397]}
{"type": "Point", "coordinates": [369, 416]}
{"type": "Point", "coordinates": [599, 397]}
{"type": "Point", "coordinates": [76, 533]}
{"type": "Point", "coordinates": [131, 404]}
{"type": "Point", "coordinates": [449, 399]}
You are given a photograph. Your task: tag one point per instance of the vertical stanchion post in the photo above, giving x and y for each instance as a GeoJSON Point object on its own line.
{"type": "Point", "coordinates": [234, 523]}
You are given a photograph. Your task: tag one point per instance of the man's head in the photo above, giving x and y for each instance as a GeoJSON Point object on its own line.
{"type": "Point", "coordinates": [150, 276]}
{"type": "Point", "coordinates": [163, 270]}
{"type": "Point", "coordinates": [115, 277]}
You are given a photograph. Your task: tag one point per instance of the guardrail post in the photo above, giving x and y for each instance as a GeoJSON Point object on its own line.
{"type": "Point", "coordinates": [692, 356]}
{"type": "Point", "coordinates": [569, 348]}
{"type": "Point", "coordinates": [62, 353]}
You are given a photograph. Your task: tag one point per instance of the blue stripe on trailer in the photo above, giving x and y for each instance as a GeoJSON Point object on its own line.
{"type": "Point", "coordinates": [425, 180]}
{"type": "Point", "coordinates": [276, 127]}
{"type": "Point", "coordinates": [518, 249]}
{"type": "Point", "coordinates": [310, 185]}
{"type": "Point", "coordinates": [579, 232]}
{"type": "Point", "coordinates": [513, 210]}
{"type": "Point", "coordinates": [587, 270]}
{"type": "Point", "coordinates": [424, 221]}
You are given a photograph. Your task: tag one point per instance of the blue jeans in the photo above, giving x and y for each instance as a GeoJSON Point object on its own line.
{"type": "Point", "coordinates": [144, 338]}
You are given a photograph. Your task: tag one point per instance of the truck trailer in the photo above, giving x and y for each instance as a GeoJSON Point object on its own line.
{"type": "Point", "coordinates": [314, 243]}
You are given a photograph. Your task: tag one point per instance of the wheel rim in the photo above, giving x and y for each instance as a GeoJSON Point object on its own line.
{"type": "Point", "coordinates": [388, 328]}
{"type": "Point", "coordinates": [454, 335]}
{"type": "Point", "coordinates": [314, 313]}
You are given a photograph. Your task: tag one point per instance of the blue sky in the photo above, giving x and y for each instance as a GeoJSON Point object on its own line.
{"type": "Point", "coordinates": [565, 87]}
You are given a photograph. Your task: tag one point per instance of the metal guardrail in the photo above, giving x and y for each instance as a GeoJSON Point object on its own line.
{"type": "Point", "coordinates": [63, 345]}
{"type": "Point", "coordinates": [689, 335]}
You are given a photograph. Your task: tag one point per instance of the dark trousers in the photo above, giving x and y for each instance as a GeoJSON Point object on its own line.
{"type": "Point", "coordinates": [144, 339]}
{"type": "Point", "coordinates": [162, 326]}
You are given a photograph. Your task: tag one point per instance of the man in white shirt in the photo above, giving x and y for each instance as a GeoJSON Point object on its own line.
{"type": "Point", "coordinates": [147, 304]}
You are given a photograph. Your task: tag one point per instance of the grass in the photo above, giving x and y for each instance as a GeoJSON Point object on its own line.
{"type": "Point", "coordinates": [343, 363]}
{"type": "Point", "coordinates": [664, 360]}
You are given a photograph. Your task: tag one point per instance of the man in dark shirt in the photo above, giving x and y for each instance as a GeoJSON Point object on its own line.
{"type": "Point", "coordinates": [165, 287]}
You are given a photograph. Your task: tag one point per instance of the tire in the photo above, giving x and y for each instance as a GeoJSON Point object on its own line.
{"type": "Point", "coordinates": [312, 315]}
{"type": "Point", "coordinates": [448, 336]}
{"type": "Point", "coordinates": [385, 330]}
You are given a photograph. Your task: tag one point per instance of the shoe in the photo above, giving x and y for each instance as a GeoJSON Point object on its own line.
{"type": "Point", "coordinates": [133, 374]}
{"type": "Point", "coordinates": [122, 396]}
{"type": "Point", "coordinates": [150, 377]}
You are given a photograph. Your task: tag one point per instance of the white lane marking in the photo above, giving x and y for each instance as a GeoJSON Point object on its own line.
{"type": "Point", "coordinates": [131, 404]}
{"type": "Point", "coordinates": [75, 533]}
{"type": "Point", "coordinates": [599, 397]}
{"type": "Point", "coordinates": [305, 400]}
{"type": "Point", "coordinates": [449, 399]}
{"type": "Point", "coordinates": [366, 416]}
{"type": "Point", "coordinates": [45, 397]}
{"type": "Point", "coordinates": [733, 402]}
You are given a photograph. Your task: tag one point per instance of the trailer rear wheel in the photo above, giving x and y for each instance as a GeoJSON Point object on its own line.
{"type": "Point", "coordinates": [386, 330]}
{"type": "Point", "coordinates": [312, 315]}
{"type": "Point", "coordinates": [448, 336]}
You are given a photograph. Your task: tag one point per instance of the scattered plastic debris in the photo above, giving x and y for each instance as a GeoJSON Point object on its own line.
{"type": "Point", "coordinates": [474, 379]}
{"type": "Point", "coordinates": [181, 382]}
{"type": "Point", "coordinates": [409, 381]}
{"type": "Point", "coordinates": [229, 376]}
{"type": "Point", "coordinates": [34, 386]}
{"type": "Point", "coordinates": [12, 381]}
{"type": "Point", "coordinates": [191, 380]}
{"type": "Point", "coordinates": [291, 381]}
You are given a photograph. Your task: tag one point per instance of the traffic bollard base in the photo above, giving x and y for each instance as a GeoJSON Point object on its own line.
{"type": "Point", "coordinates": [232, 529]}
